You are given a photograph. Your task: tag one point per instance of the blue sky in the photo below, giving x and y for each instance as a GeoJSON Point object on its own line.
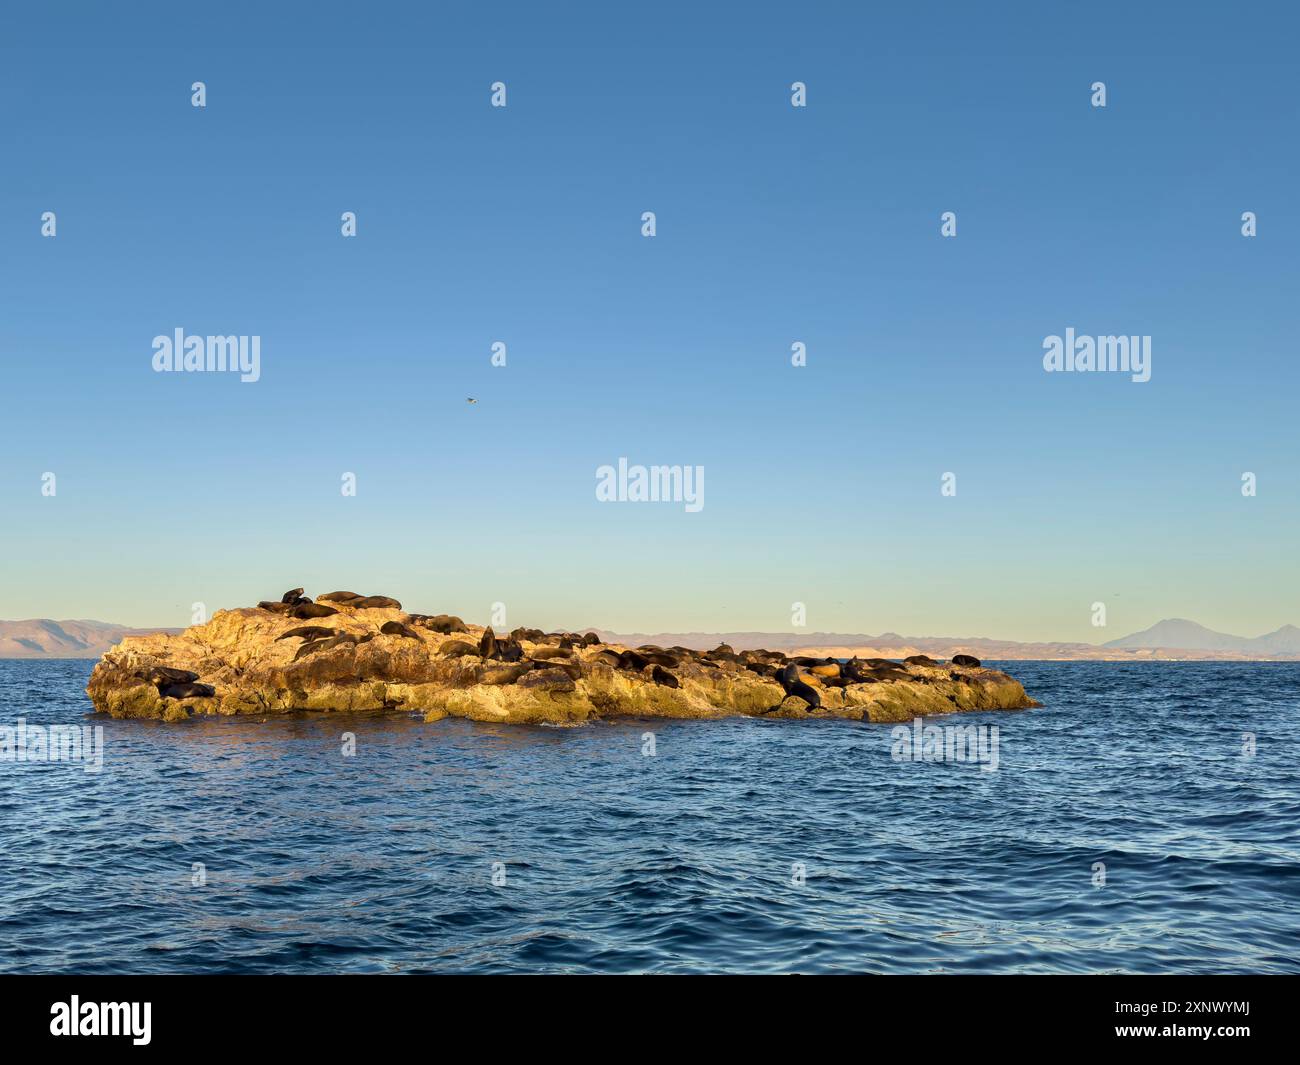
{"type": "Point", "coordinates": [775, 224]}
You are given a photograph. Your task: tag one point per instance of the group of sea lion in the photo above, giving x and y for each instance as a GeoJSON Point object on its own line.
{"type": "Point", "coordinates": [176, 683]}
{"type": "Point", "coordinates": [554, 660]}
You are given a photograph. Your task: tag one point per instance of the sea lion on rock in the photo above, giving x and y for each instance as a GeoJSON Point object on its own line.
{"type": "Point", "coordinates": [375, 602]}
{"type": "Point", "coordinates": [548, 680]}
{"type": "Point", "coordinates": [187, 691]}
{"type": "Point", "coordinates": [966, 660]}
{"type": "Point", "coordinates": [396, 628]}
{"type": "Point", "coordinates": [165, 675]}
{"type": "Point", "coordinates": [308, 632]}
{"type": "Point", "coordinates": [504, 674]}
{"type": "Point", "coordinates": [312, 646]}
{"type": "Point", "coordinates": [445, 624]}
{"type": "Point", "coordinates": [531, 635]}
{"type": "Point", "coordinates": [550, 652]}
{"type": "Point", "coordinates": [590, 639]}
{"type": "Point", "coordinates": [337, 597]}
{"type": "Point", "coordinates": [789, 679]}
{"type": "Point", "coordinates": [275, 608]}
{"type": "Point", "coordinates": [661, 676]}
{"type": "Point", "coordinates": [487, 644]}
{"type": "Point", "coordinates": [510, 650]}
{"type": "Point", "coordinates": [459, 648]}
{"type": "Point", "coordinates": [304, 611]}
{"type": "Point", "coordinates": [829, 669]}
{"type": "Point", "coordinates": [291, 596]}
{"type": "Point", "coordinates": [919, 660]}
{"type": "Point", "coordinates": [633, 660]}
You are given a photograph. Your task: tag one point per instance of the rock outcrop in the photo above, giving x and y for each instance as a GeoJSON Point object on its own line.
{"type": "Point", "coordinates": [353, 653]}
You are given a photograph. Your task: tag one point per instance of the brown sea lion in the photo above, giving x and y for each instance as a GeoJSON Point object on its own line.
{"type": "Point", "coordinates": [458, 648]}
{"type": "Point", "coordinates": [790, 681]}
{"type": "Point", "coordinates": [543, 653]}
{"type": "Point", "coordinates": [396, 628]}
{"type": "Point", "coordinates": [445, 624]}
{"type": "Point", "coordinates": [919, 660]}
{"type": "Point", "coordinates": [829, 669]}
{"type": "Point", "coordinates": [661, 676]}
{"type": "Point", "coordinates": [507, 674]}
{"type": "Point", "coordinates": [164, 675]}
{"type": "Point", "coordinates": [590, 639]}
{"type": "Point", "coordinates": [308, 632]}
{"type": "Point", "coordinates": [187, 691]}
{"type": "Point", "coordinates": [969, 661]}
{"type": "Point", "coordinates": [510, 650]}
{"type": "Point", "coordinates": [304, 611]}
{"type": "Point", "coordinates": [375, 602]}
{"type": "Point", "coordinates": [531, 635]}
{"type": "Point", "coordinates": [337, 597]}
{"type": "Point", "coordinates": [291, 596]}
{"type": "Point", "coordinates": [275, 608]}
{"type": "Point", "coordinates": [312, 646]}
{"type": "Point", "coordinates": [487, 644]}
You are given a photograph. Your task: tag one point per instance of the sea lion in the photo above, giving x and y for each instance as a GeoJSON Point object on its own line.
{"type": "Point", "coordinates": [531, 635]}
{"type": "Point", "coordinates": [509, 650]}
{"type": "Point", "coordinates": [853, 671]}
{"type": "Point", "coordinates": [919, 660]}
{"type": "Point", "coordinates": [590, 639]}
{"type": "Point", "coordinates": [396, 628]}
{"type": "Point", "coordinates": [487, 644]}
{"type": "Point", "coordinates": [571, 667]}
{"type": "Point", "coordinates": [164, 675]}
{"type": "Point", "coordinates": [458, 648]}
{"type": "Point", "coordinates": [304, 611]}
{"type": "Point", "coordinates": [661, 676]}
{"type": "Point", "coordinates": [722, 648]}
{"type": "Point", "coordinates": [308, 632]}
{"type": "Point", "coordinates": [275, 608]}
{"type": "Point", "coordinates": [763, 669]}
{"type": "Point", "coordinates": [375, 602]}
{"type": "Point", "coordinates": [551, 652]}
{"type": "Point", "coordinates": [312, 646]}
{"type": "Point", "coordinates": [445, 624]}
{"type": "Point", "coordinates": [505, 674]}
{"type": "Point", "coordinates": [966, 660]}
{"type": "Point", "coordinates": [291, 596]}
{"type": "Point", "coordinates": [829, 669]}
{"type": "Point", "coordinates": [556, 681]}
{"type": "Point", "coordinates": [337, 597]}
{"type": "Point", "coordinates": [788, 678]}
{"type": "Point", "coordinates": [633, 660]}
{"type": "Point", "coordinates": [187, 691]}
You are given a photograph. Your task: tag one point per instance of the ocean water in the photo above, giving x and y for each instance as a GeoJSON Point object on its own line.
{"type": "Point", "coordinates": [687, 860]}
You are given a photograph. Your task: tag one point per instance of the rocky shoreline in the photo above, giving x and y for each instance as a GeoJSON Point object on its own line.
{"type": "Point", "coordinates": [348, 652]}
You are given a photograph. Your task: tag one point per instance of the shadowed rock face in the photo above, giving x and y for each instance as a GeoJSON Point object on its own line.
{"type": "Point", "coordinates": [381, 658]}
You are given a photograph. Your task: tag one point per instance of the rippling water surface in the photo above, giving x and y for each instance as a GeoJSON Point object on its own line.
{"type": "Point", "coordinates": [615, 861]}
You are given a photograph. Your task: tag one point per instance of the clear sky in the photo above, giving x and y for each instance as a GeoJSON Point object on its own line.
{"type": "Point", "coordinates": [775, 224]}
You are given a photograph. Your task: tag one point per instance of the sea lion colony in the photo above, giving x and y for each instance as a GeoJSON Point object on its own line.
{"type": "Point", "coordinates": [364, 652]}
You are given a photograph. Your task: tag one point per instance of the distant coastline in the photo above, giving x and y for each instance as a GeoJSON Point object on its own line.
{"type": "Point", "coordinates": [1174, 640]}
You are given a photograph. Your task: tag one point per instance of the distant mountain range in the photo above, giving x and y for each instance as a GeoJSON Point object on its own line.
{"type": "Point", "coordinates": [43, 638]}
{"type": "Point", "coordinates": [1172, 639]}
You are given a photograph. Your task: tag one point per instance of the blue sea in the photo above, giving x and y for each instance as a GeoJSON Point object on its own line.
{"type": "Point", "coordinates": [1126, 828]}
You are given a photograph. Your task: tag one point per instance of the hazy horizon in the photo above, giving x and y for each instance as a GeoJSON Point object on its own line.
{"type": "Point", "coordinates": [776, 225]}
